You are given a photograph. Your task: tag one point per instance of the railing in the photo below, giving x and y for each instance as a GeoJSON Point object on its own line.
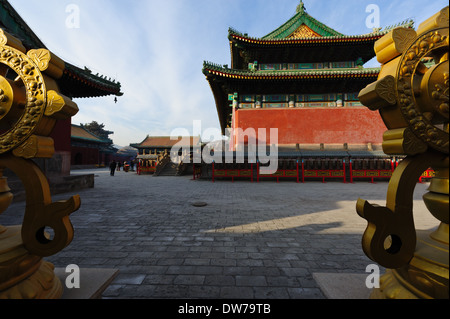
{"type": "Point", "coordinates": [284, 172]}
{"type": "Point", "coordinates": [183, 165]}
{"type": "Point", "coordinates": [162, 163]}
{"type": "Point", "coordinates": [233, 172]}
{"type": "Point", "coordinates": [325, 173]}
{"type": "Point", "coordinates": [305, 169]}
{"type": "Point", "coordinates": [197, 171]}
{"type": "Point", "coordinates": [146, 169]}
{"type": "Point", "coordinates": [371, 173]}
{"type": "Point", "coordinates": [429, 173]}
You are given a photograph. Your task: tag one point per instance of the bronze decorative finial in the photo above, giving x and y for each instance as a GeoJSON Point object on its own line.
{"type": "Point", "coordinates": [28, 113]}
{"type": "Point", "coordinates": [411, 95]}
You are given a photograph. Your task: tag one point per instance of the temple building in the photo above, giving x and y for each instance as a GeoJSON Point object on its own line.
{"type": "Point", "coordinates": [164, 144]}
{"type": "Point", "coordinates": [88, 149]}
{"type": "Point", "coordinates": [302, 79]}
{"type": "Point", "coordinates": [155, 154]}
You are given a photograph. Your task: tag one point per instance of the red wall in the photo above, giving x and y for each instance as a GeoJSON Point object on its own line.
{"type": "Point", "coordinates": [352, 125]}
{"type": "Point", "coordinates": [86, 156]}
{"type": "Point", "coordinates": [61, 135]}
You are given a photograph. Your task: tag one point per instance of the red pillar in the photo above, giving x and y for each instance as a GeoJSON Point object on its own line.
{"type": "Point", "coordinates": [257, 172]}
{"type": "Point", "coordinates": [351, 172]}
{"type": "Point", "coordinates": [345, 177]}
{"type": "Point", "coordinates": [303, 172]}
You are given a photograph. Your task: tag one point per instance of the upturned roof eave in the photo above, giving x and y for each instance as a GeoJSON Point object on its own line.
{"type": "Point", "coordinates": [98, 84]}
{"type": "Point", "coordinates": [94, 137]}
{"type": "Point", "coordinates": [89, 139]}
{"type": "Point", "coordinates": [243, 39]}
{"type": "Point", "coordinates": [30, 40]}
{"type": "Point", "coordinates": [192, 140]}
{"type": "Point", "coordinates": [215, 70]}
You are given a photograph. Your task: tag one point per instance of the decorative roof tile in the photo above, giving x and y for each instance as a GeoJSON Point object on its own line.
{"type": "Point", "coordinates": [215, 69]}
{"type": "Point", "coordinates": [166, 142]}
{"type": "Point", "coordinates": [80, 133]}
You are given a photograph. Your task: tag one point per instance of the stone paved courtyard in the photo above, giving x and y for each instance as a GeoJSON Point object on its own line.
{"type": "Point", "coordinates": [251, 240]}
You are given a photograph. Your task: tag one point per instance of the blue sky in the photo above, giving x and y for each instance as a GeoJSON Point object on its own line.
{"type": "Point", "coordinates": [156, 49]}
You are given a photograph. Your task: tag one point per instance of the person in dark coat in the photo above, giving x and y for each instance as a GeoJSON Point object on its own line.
{"type": "Point", "coordinates": [112, 167]}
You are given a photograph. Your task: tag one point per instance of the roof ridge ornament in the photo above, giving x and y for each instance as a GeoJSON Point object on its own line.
{"type": "Point", "coordinates": [301, 7]}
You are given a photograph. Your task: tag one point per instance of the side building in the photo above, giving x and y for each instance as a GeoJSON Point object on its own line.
{"type": "Point", "coordinates": [155, 154]}
{"type": "Point", "coordinates": [88, 149]}
{"type": "Point", "coordinates": [164, 144]}
{"type": "Point", "coordinates": [302, 79]}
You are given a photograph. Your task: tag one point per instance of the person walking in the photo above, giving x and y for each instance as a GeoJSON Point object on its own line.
{"type": "Point", "coordinates": [112, 167]}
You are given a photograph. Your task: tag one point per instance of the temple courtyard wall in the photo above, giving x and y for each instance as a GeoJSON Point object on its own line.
{"type": "Point", "coordinates": [262, 240]}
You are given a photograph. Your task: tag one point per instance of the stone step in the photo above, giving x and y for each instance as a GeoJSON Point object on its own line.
{"type": "Point", "coordinates": [169, 170]}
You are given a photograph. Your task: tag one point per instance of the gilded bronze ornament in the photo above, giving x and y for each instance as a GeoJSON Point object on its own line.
{"type": "Point", "coordinates": [28, 113]}
{"type": "Point", "coordinates": [411, 95]}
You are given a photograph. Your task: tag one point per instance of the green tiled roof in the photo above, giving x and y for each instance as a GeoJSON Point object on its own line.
{"type": "Point", "coordinates": [80, 133]}
{"type": "Point", "coordinates": [327, 33]}
{"type": "Point", "coordinates": [301, 17]}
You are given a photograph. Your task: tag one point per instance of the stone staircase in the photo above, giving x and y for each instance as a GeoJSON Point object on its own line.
{"type": "Point", "coordinates": [169, 170]}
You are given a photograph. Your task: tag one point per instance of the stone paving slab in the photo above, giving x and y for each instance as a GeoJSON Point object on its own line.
{"type": "Point", "coordinates": [343, 286]}
{"type": "Point", "coordinates": [93, 282]}
{"type": "Point", "coordinates": [252, 240]}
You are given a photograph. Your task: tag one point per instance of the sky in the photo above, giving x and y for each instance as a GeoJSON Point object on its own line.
{"type": "Point", "coordinates": [156, 49]}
